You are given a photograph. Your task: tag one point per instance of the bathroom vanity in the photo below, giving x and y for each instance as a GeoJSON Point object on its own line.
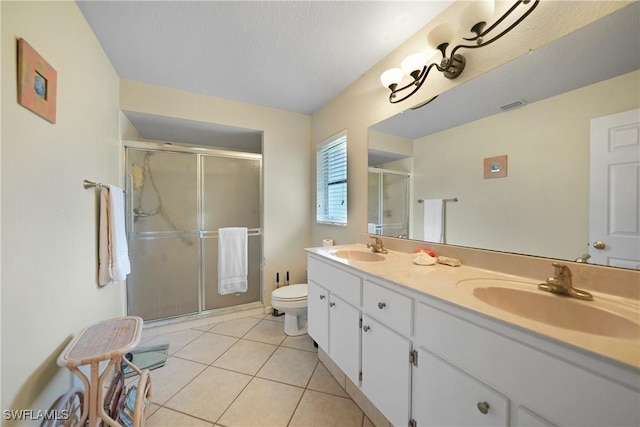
{"type": "Point", "coordinates": [439, 345]}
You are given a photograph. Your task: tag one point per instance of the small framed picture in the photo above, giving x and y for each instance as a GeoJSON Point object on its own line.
{"type": "Point", "coordinates": [495, 167]}
{"type": "Point", "coordinates": [37, 82]}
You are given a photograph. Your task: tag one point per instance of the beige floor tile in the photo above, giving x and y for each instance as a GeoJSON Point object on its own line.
{"type": "Point", "coordinates": [323, 381]}
{"type": "Point", "coordinates": [263, 403]}
{"type": "Point", "coordinates": [235, 328]}
{"type": "Point", "coordinates": [176, 340]}
{"type": "Point", "coordinates": [206, 348]}
{"type": "Point", "coordinates": [168, 418]}
{"type": "Point", "coordinates": [209, 394]}
{"type": "Point", "coordinates": [271, 317]}
{"type": "Point", "coordinates": [289, 365]}
{"type": "Point", "coordinates": [301, 342]}
{"type": "Point", "coordinates": [245, 356]}
{"type": "Point", "coordinates": [267, 331]}
{"type": "Point", "coordinates": [206, 327]}
{"type": "Point", "coordinates": [174, 375]}
{"type": "Point", "coordinates": [367, 422]}
{"type": "Point", "coordinates": [320, 409]}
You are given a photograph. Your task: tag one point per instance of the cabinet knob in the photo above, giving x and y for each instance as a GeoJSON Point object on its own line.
{"type": "Point", "coordinates": [322, 297]}
{"type": "Point", "coordinates": [332, 304]}
{"type": "Point", "coordinates": [365, 328]}
{"type": "Point", "coordinates": [483, 407]}
{"type": "Point", "coordinates": [381, 305]}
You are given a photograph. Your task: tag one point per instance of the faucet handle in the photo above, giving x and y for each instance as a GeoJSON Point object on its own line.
{"type": "Point", "coordinates": [561, 270]}
{"type": "Point", "coordinates": [377, 239]}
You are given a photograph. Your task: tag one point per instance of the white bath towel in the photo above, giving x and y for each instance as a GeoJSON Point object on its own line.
{"type": "Point", "coordinates": [232, 260]}
{"type": "Point", "coordinates": [103, 239]}
{"type": "Point", "coordinates": [120, 265]}
{"type": "Point", "coordinates": [434, 220]}
{"type": "Point", "coordinates": [113, 251]}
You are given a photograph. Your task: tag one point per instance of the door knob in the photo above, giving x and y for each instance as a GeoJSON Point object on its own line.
{"type": "Point", "coordinates": [483, 407]}
{"type": "Point", "coordinates": [599, 245]}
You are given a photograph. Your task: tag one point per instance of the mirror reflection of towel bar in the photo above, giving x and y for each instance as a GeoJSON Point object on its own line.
{"type": "Point", "coordinates": [455, 199]}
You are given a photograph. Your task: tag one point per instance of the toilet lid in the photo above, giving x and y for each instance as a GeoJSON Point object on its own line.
{"type": "Point", "coordinates": [291, 292]}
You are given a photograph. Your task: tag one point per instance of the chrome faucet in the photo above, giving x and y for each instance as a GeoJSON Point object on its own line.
{"type": "Point", "coordinates": [561, 283]}
{"type": "Point", "coordinates": [377, 246]}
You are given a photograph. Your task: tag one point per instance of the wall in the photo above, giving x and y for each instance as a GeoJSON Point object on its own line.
{"type": "Point", "coordinates": [286, 161]}
{"type": "Point", "coordinates": [548, 171]}
{"type": "Point", "coordinates": [49, 222]}
{"type": "Point", "coordinates": [364, 103]}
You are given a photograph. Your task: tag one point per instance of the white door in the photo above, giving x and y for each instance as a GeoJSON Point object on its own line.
{"type": "Point", "coordinates": [318, 315]}
{"type": "Point", "coordinates": [614, 217]}
{"type": "Point", "coordinates": [344, 336]}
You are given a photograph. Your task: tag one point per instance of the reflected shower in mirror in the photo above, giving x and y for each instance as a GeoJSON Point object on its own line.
{"type": "Point", "coordinates": [536, 120]}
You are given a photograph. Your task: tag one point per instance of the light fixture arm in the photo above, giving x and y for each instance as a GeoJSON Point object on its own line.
{"type": "Point", "coordinates": [418, 82]}
{"type": "Point", "coordinates": [452, 65]}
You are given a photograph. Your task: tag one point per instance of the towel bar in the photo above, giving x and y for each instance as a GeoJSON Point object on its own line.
{"type": "Point", "coordinates": [455, 199]}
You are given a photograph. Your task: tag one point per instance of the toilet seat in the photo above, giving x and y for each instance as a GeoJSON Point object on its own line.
{"type": "Point", "coordinates": [291, 293]}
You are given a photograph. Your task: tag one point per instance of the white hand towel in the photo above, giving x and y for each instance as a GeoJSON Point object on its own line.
{"type": "Point", "coordinates": [120, 265]}
{"type": "Point", "coordinates": [433, 220]}
{"type": "Point", "coordinates": [103, 240]}
{"type": "Point", "coordinates": [232, 260]}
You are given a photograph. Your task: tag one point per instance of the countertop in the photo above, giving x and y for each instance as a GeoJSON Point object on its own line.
{"type": "Point", "coordinates": [452, 284]}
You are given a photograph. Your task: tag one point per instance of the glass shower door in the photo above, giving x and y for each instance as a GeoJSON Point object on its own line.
{"type": "Point", "coordinates": [230, 198]}
{"type": "Point", "coordinates": [164, 245]}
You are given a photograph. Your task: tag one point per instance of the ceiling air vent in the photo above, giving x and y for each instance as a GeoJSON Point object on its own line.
{"type": "Point", "coordinates": [513, 105]}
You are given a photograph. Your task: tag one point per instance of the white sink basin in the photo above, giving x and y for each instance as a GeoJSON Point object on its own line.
{"type": "Point", "coordinates": [526, 300]}
{"type": "Point", "coordinates": [357, 255]}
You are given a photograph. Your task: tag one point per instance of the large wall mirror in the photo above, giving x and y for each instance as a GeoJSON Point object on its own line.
{"type": "Point", "coordinates": [534, 119]}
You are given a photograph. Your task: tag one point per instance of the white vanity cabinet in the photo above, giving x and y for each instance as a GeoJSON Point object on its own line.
{"type": "Point", "coordinates": [427, 362]}
{"type": "Point", "coordinates": [466, 361]}
{"type": "Point", "coordinates": [334, 315]}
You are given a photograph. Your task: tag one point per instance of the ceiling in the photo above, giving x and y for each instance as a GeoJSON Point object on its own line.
{"type": "Point", "coordinates": [290, 55]}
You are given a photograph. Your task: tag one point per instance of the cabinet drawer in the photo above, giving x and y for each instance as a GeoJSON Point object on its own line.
{"type": "Point", "coordinates": [391, 308]}
{"type": "Point", "coordinates": [346, 285]}
{"type": "Point", "coordinates": [445, 396]}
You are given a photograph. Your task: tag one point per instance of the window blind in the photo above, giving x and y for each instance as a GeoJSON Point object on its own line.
{"type": "Point", "coordinates": [332, 181]}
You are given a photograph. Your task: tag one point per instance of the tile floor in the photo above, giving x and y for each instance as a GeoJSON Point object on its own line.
{"type": "Point", "coordinates": [245, 372]}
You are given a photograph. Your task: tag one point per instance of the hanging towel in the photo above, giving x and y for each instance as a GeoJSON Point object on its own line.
{"type": "Point", "coordinates": [434, 220]}
{"type": "Point", "coordinates": [232, 260]}
{"type": "Point", "coordinates": [103, 239]}
{"type": "Point", "coordinates": [113, 252]}
{"type": "Point", "coordinates": [120, 265]}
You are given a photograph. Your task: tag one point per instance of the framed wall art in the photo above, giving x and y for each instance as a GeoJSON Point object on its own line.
{"type": "Point", "coordinates": [495, 167]}
{"type": "Point", "coordinates": [37, 82]}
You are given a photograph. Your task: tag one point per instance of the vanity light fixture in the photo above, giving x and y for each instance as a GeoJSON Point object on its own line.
{"type": "Point", "coordinates": [475, 17]}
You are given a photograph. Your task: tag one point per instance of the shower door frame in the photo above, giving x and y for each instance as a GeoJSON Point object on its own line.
{"type": "Point", "coordinates": [200, 234]}
{"type": "Point", "coordinates": [407, 208]}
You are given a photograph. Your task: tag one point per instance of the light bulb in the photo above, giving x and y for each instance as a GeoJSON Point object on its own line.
{"type": "Point", "coordinates": [391, 77]}
{"type": "Point", "coordinates": [478, 11]}
{"type": "Point", "coordinates": [443, 33]}
{"type": "Point", "coordinates": [413, 63]}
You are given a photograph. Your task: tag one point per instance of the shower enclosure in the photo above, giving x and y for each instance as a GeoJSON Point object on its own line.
{"type": "Point", "coordinates": [177, 200]}
{"type": "Point", "coordinates": [388, 210]}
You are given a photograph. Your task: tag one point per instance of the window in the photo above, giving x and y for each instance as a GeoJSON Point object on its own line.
{"type": "Point", "coordinates": [332, 180]}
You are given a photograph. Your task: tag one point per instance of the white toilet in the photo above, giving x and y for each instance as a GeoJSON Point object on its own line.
{"type": "Point", "coordinates": [292, 301]}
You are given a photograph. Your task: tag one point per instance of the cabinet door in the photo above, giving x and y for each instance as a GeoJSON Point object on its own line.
{"type": "Point", "coordinates": [344, 336]}
{"type": "Point", "coordinates": [445, 396]}
{"type": "Point", "coordinates": [386, 372]}
{"type": "Point", "coordinates": [318, 315]}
